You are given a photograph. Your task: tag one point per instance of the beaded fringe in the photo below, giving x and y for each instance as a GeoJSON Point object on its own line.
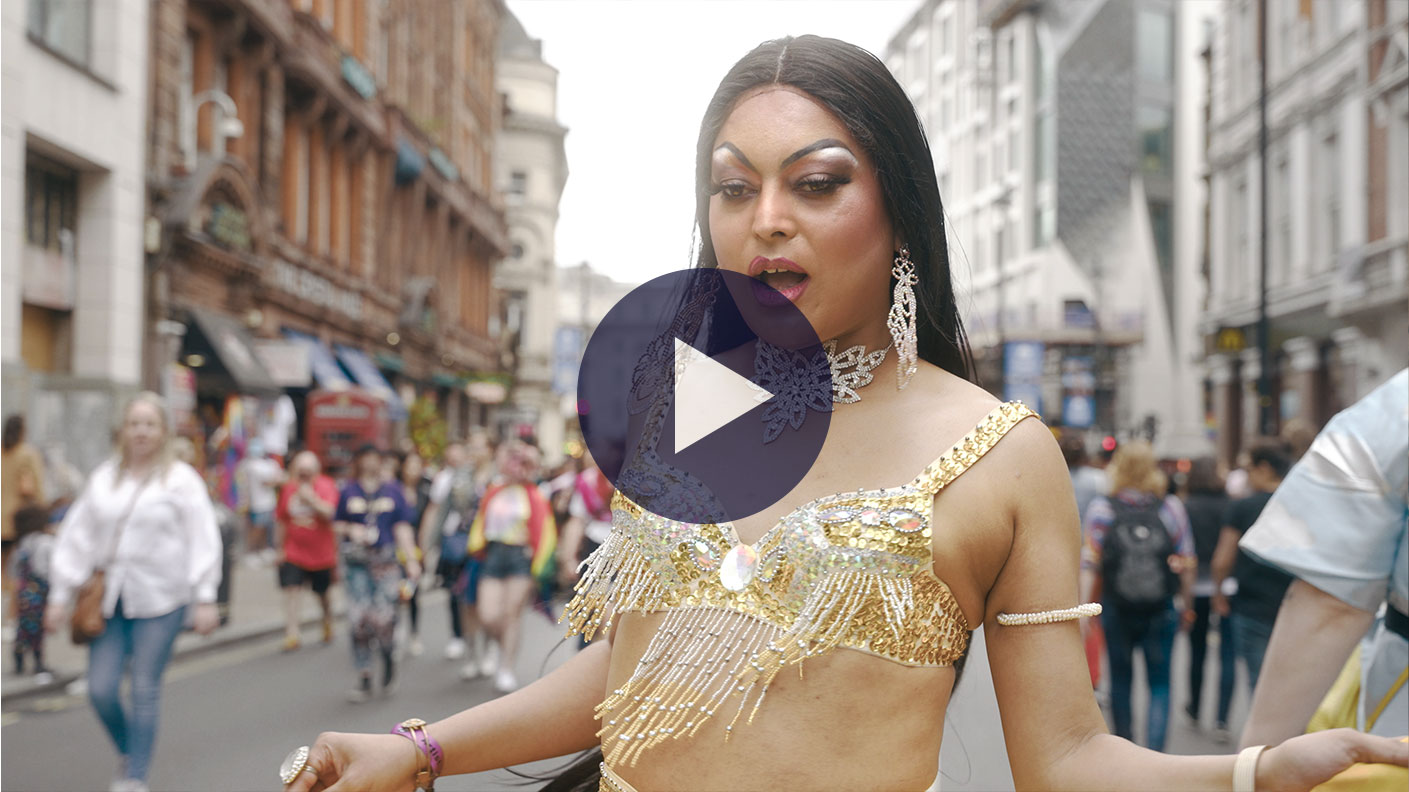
{"type": "Point", "coordinates": [705, 655]}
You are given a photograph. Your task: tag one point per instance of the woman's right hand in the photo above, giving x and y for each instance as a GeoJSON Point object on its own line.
{"type": "Point", "coordinates": [356, 762]}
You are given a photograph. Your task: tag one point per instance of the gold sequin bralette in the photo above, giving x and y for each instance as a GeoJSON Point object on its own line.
{"type": "Point", "coordinates": [852, 570]}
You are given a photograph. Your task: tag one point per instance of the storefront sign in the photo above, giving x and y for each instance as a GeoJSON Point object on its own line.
{"type": "Point", "coordinates": [1231, 339]}
{"type": "Point", "coordinates": [357, 76]}
{"type": "Point", "coordinates": [488, 388]}
{"type": "Point", "coordinates": [443, 164]}
{"type": "Point", "coordinates": [229, 226]}
{"type": "Point", "coordinates": [286, 361]}
{"type": "Point", "coordinates": [316, 289]}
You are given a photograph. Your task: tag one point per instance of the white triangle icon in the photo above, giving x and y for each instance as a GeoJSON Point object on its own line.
{"type": "Point", "coordinates": [708, 395]}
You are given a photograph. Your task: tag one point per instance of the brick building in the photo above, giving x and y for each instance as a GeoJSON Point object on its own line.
{"type": "Point", "coordinates": [322, 201]}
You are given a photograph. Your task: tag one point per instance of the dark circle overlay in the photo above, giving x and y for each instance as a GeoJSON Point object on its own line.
{"type": "Point", "coordinates": [626, 396]}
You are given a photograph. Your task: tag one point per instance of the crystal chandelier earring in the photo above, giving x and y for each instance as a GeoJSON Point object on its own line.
{"type": "Point", "coordinates": [901, 319]}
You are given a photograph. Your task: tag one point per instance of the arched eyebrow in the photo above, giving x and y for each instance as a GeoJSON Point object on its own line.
{"type": "Point", "coordinates": [824, 143]}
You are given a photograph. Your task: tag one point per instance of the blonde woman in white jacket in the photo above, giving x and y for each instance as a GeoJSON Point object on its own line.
{"type": "Point", "coordinates": [147, 519]}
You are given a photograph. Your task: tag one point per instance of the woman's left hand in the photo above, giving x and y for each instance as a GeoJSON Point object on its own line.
{"type": "Point", "coordinates": [1310, 759]}
{"type": "Point", "coordinates": [206, 618]}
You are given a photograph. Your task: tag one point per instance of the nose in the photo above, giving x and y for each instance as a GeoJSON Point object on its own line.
{"type": "Point", "coordinates": [773, 217]}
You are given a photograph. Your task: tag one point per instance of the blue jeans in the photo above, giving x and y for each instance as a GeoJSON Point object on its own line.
{"type": "Point", "coordinates": [146, 643]}
{"type": "Point", "coordinates": [1153, 634]}
{"type": "Point", "coordinates": [1250, 636]}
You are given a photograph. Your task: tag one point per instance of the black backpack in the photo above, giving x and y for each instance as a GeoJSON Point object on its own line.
{"type": "Point", "coordinates": [1135, 558]}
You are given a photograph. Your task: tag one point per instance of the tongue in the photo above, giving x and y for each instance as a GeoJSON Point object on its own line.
{"type": "Point", "coordinates": [783, 280]}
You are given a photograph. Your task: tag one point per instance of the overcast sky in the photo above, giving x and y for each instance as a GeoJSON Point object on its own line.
{"type": "Point", "coordinates": [634, 79]}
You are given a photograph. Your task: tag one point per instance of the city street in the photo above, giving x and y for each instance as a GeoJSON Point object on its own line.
{"type": "Point", "coordinates": [229, 716]}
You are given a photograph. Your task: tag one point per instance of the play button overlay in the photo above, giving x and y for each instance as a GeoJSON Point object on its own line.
{"type": "Point", "coordinates": [704, 396]}
{"type": "Point", "coordinates": [708, 395]}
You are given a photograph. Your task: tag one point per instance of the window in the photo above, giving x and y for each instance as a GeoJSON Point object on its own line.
{"type": "Point", "coordinates": [1039, 71]}
{"type": "Point", "coordinates": [946, 36]}
{"type": "Point", "coordinates": [1155, 43]}
{"type": "Point", "coordinates": [518, 187]}
{"type": "Point", "coordinates": [1331, 188]}
{"type": "Point", "coordinates": [980, 261]}
{"type": "Point", "coordinates": [1239, 260]}
{"type": "Point", "coordinates": [187, 89]}
{"type": "Point", "coordinates": [1156, 137]}
{"type": "Point", "coordinates": [1281, 197]}
{"type": "Point", "coordinates": [1010, 58]}
{"type": "Point", "coordinates": [1041, 163]}
{"type": "Point", "coordinates": [1013, 147]}
{"type": "Point", "coordinates": [51, 205]}
{"type": "Point", "coordinates": [981, 163]}
{"type": "Point", "coordinates": [516, 251]}
{"type": "Point", "coordinates": [63, 26]}
{"type": "Point", "coordinates": [1162, 232]}
{"type": "Point", "coordinates": [1044, 221]}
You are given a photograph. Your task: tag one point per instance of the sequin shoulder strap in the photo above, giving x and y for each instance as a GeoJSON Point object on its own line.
{"type": "Point", "coordinates": [972, 447]}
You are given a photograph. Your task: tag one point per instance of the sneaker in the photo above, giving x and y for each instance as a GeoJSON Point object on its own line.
{"type": "Point", "coordinates": [128, 785]}
{"type": "Point", "coordinates": [415, 648]}
{"type": "Point", "coordinates": [505, 681]}
{"type": "Point", "coordinates": [1221, 735]}
{"type": "Point", "coordinates": [291, 643]}
{"type": "Point", "coordinates": [470, 671]}
{"type": "Point", "coordinates": [455, 649]}
{"type": "Point", "coordinates": [43, 678]}
{"type": "Point", "coordinates": [327, 631]}
{"type": "Point", "coordinates": [489, 658]}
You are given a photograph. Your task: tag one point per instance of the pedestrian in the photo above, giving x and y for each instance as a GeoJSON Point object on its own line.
{"type": "Point", "coordinates": [21, 485]}
{"type": "Point", "coordinates": [260, 477]}
{"type": "Point", "coordinates": [146, 520]}
{"type": "Point", "coordinates": [1258, 588]}
{"type": "Point", "coordinates": [31, 559]}
{"type": "Point", "coordinates": [1088, 482]}
{"type": "Point", "coordinates": [1340, 524]}
{"type": "Point", "coordinates": [374, 521]}
{"type": "Point", "coordinates": [516, 535]}
{"type": "Point", "coordinates": [409, 472]}
{"type": "Point", "coordinates": [307, 545]}
{"type": "Point", "coordinates": [1140, 551]}
{"type": "Point", "coordinates": [810, 152]}
{"type": "Point", "coordinates": [1206, 504]}
{"type": "Point", "coordinates": [454, 501]}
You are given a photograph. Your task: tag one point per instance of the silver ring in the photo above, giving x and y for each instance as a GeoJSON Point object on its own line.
{"type": "Point", "coordinates": [294, 764]}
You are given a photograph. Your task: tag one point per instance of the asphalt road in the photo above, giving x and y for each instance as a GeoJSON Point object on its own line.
{"type": "Point", "coordinates": [229, 717]}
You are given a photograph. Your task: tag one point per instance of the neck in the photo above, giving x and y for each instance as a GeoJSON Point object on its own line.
{"type": "Point", "coordinates": [872, 336]}
{"type": "Point", "coordinates": [370, 483]}
{"type": "Point", "coordinates": [141, 464]}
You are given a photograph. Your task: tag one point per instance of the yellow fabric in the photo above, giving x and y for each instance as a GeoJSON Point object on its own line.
{"type": "Point", "coordinates": [851, 570]}
{"type": "Point", "coordinates": [1338, 708]}
{"type": "Point", "coordinates": [21, 484]}
{"type": "Point", "coordinates": [1368, 778]}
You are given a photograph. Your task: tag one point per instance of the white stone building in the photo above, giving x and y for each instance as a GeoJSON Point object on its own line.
{"type": "Point", "coordinates": [1068, 160]}
{"type": "Point", "coordinates": [533, 169]}
{"type": "Point", "coordinates": [72, 246]}
{"type": "Point", "coordinates": [1337, 225]}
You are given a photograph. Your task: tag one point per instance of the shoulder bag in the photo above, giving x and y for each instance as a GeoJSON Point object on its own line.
{"type": "Point", "coordinates": [87, 621]}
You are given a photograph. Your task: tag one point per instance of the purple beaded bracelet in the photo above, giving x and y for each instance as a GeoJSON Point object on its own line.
{"type": "Point", "coordinates": [414, 729]}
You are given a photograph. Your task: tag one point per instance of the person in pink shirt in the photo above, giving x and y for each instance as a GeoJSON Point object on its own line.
{"type": "Point", "coordinates": [307, 546]}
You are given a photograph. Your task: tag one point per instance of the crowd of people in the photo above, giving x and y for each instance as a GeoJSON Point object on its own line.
{"type": "Point", "coordinates": [1191, 546]}
{"type": "Point", "coordinates": [481, 522]}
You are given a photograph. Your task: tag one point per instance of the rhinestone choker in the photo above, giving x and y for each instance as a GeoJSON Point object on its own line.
{"type": "Point", "coordinates": [791, 384]}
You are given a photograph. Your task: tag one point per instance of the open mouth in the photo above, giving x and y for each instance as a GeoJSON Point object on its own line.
{"type": "Point", "coordinates": [779, 288]}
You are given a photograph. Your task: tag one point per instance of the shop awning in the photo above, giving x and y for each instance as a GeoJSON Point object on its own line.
{"type": "Point", "coordinates": [326, 371]}
{"type": "Point", "coordinates": [367, 375]}
{"type": "Point", "coordinates": [234, 347]}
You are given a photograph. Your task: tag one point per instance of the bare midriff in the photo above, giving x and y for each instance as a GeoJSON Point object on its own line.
{"type": "Point", "coordinates": [852, 720]}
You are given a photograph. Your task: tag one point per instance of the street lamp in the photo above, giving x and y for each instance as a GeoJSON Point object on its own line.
{"type": "Point", "coordinates": [230, 125]}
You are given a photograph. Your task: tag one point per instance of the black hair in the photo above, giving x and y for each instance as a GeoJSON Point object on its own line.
{"type": "Point", "coordinates": [1073, 450]}
{"type": "Point", "coordinates": [14, 431]}
{"type": "Point", "coordinates": [1204, 478]}
{"type": "Point", "coordinates": [401, 457]}
{"type": "Point", "coordinates": [862, 93]}
{"type": "Point", "coordinates": [1273, 452]}
{"type": "Point", "coordinates": [365, 449]}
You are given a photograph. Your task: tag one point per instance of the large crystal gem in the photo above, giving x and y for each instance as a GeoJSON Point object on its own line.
{"type": "Point", "coordinates": [870, 516]}
{"type": "Point", "coordinates": [905, 520]}
{"type": "Point", "coordinates": [836, 516]}
{"type": "Point", "coordinates": [704, 555]}
{"type": "Point", "coordinates": [738, 568]}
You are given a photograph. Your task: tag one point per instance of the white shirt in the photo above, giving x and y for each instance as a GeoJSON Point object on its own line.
{"type": "Point", "coordinates": [261, 475]}
{"type": "Point", "coordinates": [167, 556]}
{"type": "Point", "coordinates": [279, 421]}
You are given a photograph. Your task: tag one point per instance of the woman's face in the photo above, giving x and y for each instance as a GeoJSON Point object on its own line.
{"type": "Point", "coordinates": [796, 202]}
{"type": "Point", "coordinates": [411, 470]}
{"type": "Point", "coordinates": [143, 430]}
